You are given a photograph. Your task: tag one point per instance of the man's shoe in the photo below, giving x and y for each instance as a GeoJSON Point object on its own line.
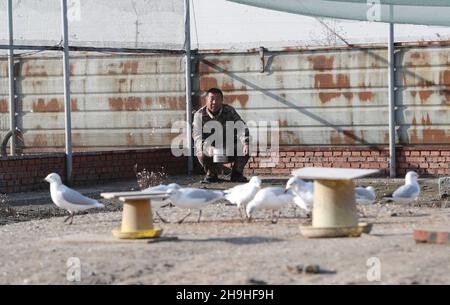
{"type": "Point", "coordinates": [238, 178]}
{"type": "Point", "coordinates": [209, 179]}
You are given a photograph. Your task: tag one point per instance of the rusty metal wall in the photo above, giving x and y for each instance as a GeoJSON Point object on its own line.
{"type": "Point", "coordinates": [319, 97]}
{"type": "Point", "coordinates": [117, 100]}
{"type": "Point", "coordinates": [335, 97]}
{"type": "Point", "coordinates": [423, 96]}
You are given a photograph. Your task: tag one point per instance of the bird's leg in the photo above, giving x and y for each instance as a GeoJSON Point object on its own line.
{"type": "Point", "coordinates": [67, 218]}
{"type": "Point", "coordinates": [199, 216]}
{"type": "Point", "coordinates": [182, 219]}
{"type": "Point", "coordinates": [275, 219]}
{"type": "Point", "coordinates": [71, 219]}
{"type": "Point", "coordinates": [240, 213]}
{"type": "Point", "coordinates": [160, 217]}
{"type": "Point", "coordinates": [295, 211]}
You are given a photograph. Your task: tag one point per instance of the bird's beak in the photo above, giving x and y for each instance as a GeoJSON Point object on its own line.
{"type": "Point", "coordinates": [286, 190]}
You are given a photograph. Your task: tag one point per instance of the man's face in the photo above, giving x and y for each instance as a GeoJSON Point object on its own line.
{"type": "Point", "coordinates": [214, 102]}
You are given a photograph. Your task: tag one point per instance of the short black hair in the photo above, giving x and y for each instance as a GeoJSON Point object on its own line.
{"type": "Point", "coordinates": [215, 91]}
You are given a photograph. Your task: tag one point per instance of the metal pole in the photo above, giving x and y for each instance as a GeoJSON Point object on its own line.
{"type": "Point", "coordinates": [67, 108]}
{"type": "Point", "coordinates": [391, 80]}
{"type": "Point", "coordinates": [187, 46]}
{"type": "Point", "coordinates": [12, 97]}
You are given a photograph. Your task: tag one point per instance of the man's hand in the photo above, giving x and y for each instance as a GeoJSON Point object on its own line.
{"type": "Point", "coordinates": [246, 150]}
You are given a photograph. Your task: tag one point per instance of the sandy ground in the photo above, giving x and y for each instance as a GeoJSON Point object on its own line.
{"type": "Point", "coordinates": [224, 250]}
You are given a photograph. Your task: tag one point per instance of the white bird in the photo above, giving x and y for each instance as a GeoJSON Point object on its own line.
{"type": "Point", "coordinates": [365, 195]}
{"type": "Point", "coordinates": [303, 193]}
{"type": "Point", "coordinates": [161, 188]}
{"type": "Point", "coordinates": [193, 198]}
{"type": "Point", "coordinates": [241, 195]}
{"type": "Point", "coordinates": [159, 203]}
{"type": "Point", "coordinates": [409, 191]}
{"type": "Point", "coordinates": [273, 198]}
{"type": "Point", "coordinates": [68, 199]}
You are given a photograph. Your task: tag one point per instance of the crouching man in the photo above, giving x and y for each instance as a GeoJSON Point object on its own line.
{"type": "Point", "coordinates": [209, 138]}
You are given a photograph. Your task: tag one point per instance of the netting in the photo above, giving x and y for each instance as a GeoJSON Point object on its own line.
{"type": "Point", "coordinates": [434, 12]}
{"type": "Point", "coordinates": [97, 23]}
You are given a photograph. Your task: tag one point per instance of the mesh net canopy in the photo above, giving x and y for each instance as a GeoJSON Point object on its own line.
{"type": "Point", "coordinates": [425, 12]}
{"type": "Point", "coordinates": [157, 24]}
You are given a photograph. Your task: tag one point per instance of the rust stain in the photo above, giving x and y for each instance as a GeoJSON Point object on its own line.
{"type": "Point", "coordinates": [231, 98]}
{"type": "Point", "coordinates": [429, 135]}
{"type": "Point", "coordinates": [39, 140]}
{"type": "Point", "coordinates": [130, 140]}
{"type": "Point", "coordinates": [130, 103]}
{"type": "Point", "coordinates": [148, 101]}
{"type": "Point", "coordinates": [425, 83]}
{"type": "Point", "coordinates": [71, 70]}
{"type": "Point", "coordinates": [213, 65]}
{"type": "Point", "coordinates": [335, 138]}
{"type": "Point", "coordinates": [321, 62]}
{"type": "Point", "coordinates": [74, 104]}
{"type": "Point", "coordinates": [4, 106]}
{"type": "Point", "coordinates": [326, 97]}
{"type": "Point", "coordinates": [416, 55]}
{"type": "Point", "coordinates": [53, 105]}
{"type": "Point", "coordinates": [327, 81]}
{"type": "Point", "coordinates": [283, 123]}
{"type": "Point", "coordinates": [386, 138]}
{"type": "Point", "coordinates": [208, 82]}
{"type": "Point", "coordinates": [35, 70]}
{"type": "Point", "coordinates": [348, 95]}
{"type": "Point", "coordinates": [129, 67]}
{"type": "Point", "coordinates": [436, 136]}
{"type": "Point", "coordinates": [343, 137]}
{"type": "Point", "coordinates": [426, 121]}
{"type": "Point", "coordinates": [445, 80]}
{"type": "Point", "coordinates": [366, 96]}
{"type": "Point", "coordinates": [424, 95]}
{"type": "Point", "coordinates": [289, 138]}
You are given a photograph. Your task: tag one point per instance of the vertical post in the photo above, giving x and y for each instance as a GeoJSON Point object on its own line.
{"type": "Point", "coordinates": [187, 46]}
{"type": "Point", "coordinates": [12, 96]}
{"type": "Point", "coordinates": [391, 80]}
{"type": "Point", "coordinates": [67, 104]}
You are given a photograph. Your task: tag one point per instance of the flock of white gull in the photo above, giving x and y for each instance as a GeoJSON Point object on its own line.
{"type": "Point", "coordinates": [248, 197]}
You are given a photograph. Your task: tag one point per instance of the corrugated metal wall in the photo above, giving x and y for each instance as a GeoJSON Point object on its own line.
{"type": "Point", "coordinates": [333, 97]}
{"type": "Point", "coordinates": [322, 97]}
{"type": "Point", "coordinates": [117, 101]}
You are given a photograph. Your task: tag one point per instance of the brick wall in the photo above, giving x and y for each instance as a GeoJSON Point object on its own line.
{"type": "Point", "coordinates": [26, 173]}
{"type": "Point", "coordinates": [426, 160]}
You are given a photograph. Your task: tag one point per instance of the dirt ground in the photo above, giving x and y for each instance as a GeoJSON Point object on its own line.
{"type": "Point", "coordinates": [36, 245]}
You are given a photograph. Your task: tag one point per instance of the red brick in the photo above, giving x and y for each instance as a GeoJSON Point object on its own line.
{"type": "Point", "coordinates": [337, 153]}
{"type": "Point", "coordinates": [424, 153]}
{"type": "Point", "coordinates": [328, 153]}
{"type": "Point", "coordinates": [318, 154]}
{"type": "Point", "coordinates": [347, 153]}
{"type": "Point", "coordinates": [300, 153]}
